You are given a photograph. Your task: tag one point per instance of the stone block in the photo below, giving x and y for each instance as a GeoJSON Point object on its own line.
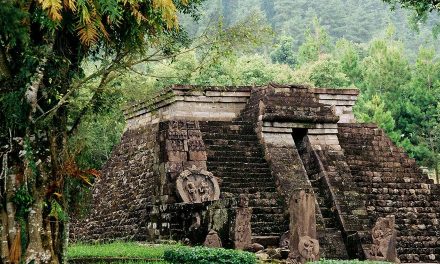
{"type": "Point", "coordinates": [197, 156]}
{"type": "Point", "coordinates": [177, 156]}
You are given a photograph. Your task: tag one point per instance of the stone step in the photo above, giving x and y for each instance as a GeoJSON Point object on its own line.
{"type": "Point", "coordinates": [247, 185]}
{"type": "Point", "coordinates": [329, 222]}
{"type": "Point", "coordinates": [231, 158]}
{"type": "Point", "coordinates": [219, 155]}
{"type": "Point", "coordinates": [268, 228]}
{"type": "Point", "coordinates": [231, 142]}
{"type": "Point", "coordinates": [267, 241]}
{"type": "Point", "coordinates": [240, 177]}
{"type": "Point", "coordinates": [263, 202]}
{"type": "Point", "coordinates": [239, 137]}
{"type": "Point", "coordinates": [243, 169]}
{"type": "Point", "coordinates": [236, 165]}
{"type": "Point", "coordinates": [254, 196]}
{"type": "Point", "coordinates": [326, 212]}
{"type": "Point", "coordinates": [267, 210]}
{"type": "Point", "coordinates": [332, 245]}
{"type": "Point", "coordinates": [204, 124]}
{"type": "Point", "coordinates": [248, 190]}
{"type": "Point", "coordinates": [269, 217]}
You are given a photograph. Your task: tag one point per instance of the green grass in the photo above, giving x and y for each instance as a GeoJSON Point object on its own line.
{"type": "Point", "coordinates": [118, 250]}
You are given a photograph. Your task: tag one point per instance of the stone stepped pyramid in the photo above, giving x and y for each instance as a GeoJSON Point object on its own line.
{"type": "Point", "coordinates": [394, 185]}
{"type": "Point", "coordinates": [236, 158]}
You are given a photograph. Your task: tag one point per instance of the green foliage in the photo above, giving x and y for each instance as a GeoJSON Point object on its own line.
{"type": "Point", "coordinates": [373, 111]}
{"type": "Point", "coordinates": [317, 42]}
{"type": "Point", "coordinates": [118, 249]}
{"type": "Point", "coordinates": [283, 52]}
{"type": "Point", "coordinates": [348, 54]}
{"type": "Point", "coordinates": [13, 114]}
{"type": "Point", "coordinates": [385, 68]}
{"type": "Point", "coordinates": [23, 201]}
{"type": "Point", "coordinates": [57, 211]}
{"type": "Point", "coordinates": [420, 7]}
{"type": "Point", "coordinates": [205, 255]}
{"type": "Point", "coordinates": [328, 72]}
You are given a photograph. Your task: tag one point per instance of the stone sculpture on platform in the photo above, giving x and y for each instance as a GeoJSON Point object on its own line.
{"type": "Point", "coordinates": [213, 240]}
{"type": "Point", "coordinates": [304, 246]}
{"type": "Point", "coordinates": [242, 226]}
{"type": "Point", "coordinates": [308, 249]}
{"type": "Point", "coordinates": [384, 240]}
{"type": "Point", "coordinates": [196, 186]}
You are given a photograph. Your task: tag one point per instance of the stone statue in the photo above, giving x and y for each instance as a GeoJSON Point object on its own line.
{"type": "Point", "coordinates": [192, 191]}
{"type": "Point", "coordinates": [308, 249]}
{"type": "Point", "coordinates": [197, 185]}
{"type": "Point", "coordinates": [384, 240]}
{"type": "Point", "coordinates": [303, 242]}
{"type": "Point", "coordinates": [212, 240]}
{"type": "Point", "coordinates": [204, 190]}
{"type": "Point", "coordinates": [242, 224]}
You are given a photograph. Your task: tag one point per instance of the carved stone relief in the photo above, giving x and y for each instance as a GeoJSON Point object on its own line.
{"type": "Point", "coordinates": [212, 240]}
{"type": "Point", "coordinates": [308, 249]}
{"type": "Point", "coordinates": [196, 186]}
{"type": "Point", "coordinates": [303, 243]}
{"type": "Point", "coordinates": [242, 226]}
{"type": "Point", "coordinates": [384, 240]}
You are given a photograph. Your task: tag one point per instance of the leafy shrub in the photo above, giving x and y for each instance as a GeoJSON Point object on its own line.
{"type": "Point", "coordinates": [203, 255]}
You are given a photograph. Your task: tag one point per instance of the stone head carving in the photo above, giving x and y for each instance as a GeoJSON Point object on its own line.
{"type": "Point", "coordinates": [196, 186]}
{"type": "Point", "coordinates": [308, 249]}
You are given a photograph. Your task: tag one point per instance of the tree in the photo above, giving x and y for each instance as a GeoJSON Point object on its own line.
{"type": "Point", "coordinates": [43, 45]}
{"type": "Point", "coordinates": [347, 53]}
{"type": "Point", "coordinates": [317, 42]}
{"type": "Point", "coordinates": [420, 7]}
{"type": "Point", "coordinates": [386, 68]}
{"type": "Point", "coordinates": [373, 111]}
{"type": "Point", "coordinates": [284, 52]}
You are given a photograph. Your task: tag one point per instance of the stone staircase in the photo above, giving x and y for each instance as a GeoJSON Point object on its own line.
{"type": "Point", "coordinates": [236, 158]}
{"type": "Point", "coordinates": [329, 231]}
{"type": "Point", "coordinates": [394, 185]}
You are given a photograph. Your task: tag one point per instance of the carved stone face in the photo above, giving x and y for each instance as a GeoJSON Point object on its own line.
{"type": "Point", "coordinates": [195, 186]}
{"type": "Point", "coordinates": [308, 248]}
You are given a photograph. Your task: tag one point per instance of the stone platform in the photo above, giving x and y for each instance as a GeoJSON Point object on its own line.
{"type": "Point", "coordinates": [190, 155]}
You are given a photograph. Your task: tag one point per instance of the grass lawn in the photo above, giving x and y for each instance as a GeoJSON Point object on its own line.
{"type": "Point", "coordinates": [129, 250]}
{"type": "Point", "coordinates": [136, 253]}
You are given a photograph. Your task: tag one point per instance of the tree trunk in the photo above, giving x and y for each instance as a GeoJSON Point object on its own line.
{"type": "Point", "coordinates": [4, 247]}
{"type": "Point", "coordinates": [10, 209]}
{"type": "Point", "coordinates": [35, 251]}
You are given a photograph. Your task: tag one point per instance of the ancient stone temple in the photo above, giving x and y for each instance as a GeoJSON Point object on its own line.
{"type": "Point", "coordinates": [233, 166]}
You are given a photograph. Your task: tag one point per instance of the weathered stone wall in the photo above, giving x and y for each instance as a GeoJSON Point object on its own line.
{"type": "Point", "coordinates": [189, 103]}
{"type": "Point", "coordinates": [124, 192]}
{"type": "Point", "coordinates": [393, 184]}
{"type": "Point", "coordinates": [342, 100]}
{"type": "Point", "coordinates": [182, 147]}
